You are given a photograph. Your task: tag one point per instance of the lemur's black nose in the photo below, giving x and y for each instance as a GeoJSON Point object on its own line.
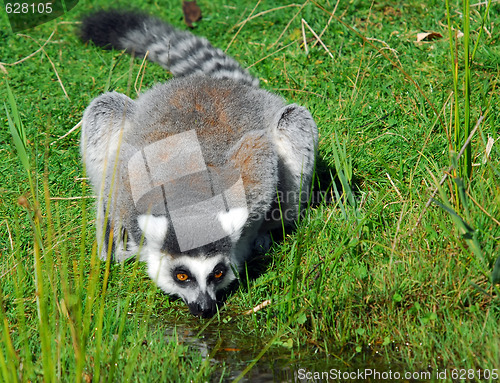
{"type": "Point", "coordinates": [204, 306]}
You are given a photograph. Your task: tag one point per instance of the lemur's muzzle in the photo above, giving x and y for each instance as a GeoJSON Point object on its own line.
{"type": "Point", "coordinates": [204, 306]}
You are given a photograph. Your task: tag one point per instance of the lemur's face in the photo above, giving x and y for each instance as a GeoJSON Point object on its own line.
{"type": "Point", "coordinates": [195, 276]}
{"type": "Point", "coordinates": [197, 280]}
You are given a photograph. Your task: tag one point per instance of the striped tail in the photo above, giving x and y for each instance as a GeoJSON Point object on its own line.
{"type": "Point", "coordinates": [181, 52]}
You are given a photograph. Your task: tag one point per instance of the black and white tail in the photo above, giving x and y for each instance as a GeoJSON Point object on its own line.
{"type": "Point", "coordinates": [181, 52]}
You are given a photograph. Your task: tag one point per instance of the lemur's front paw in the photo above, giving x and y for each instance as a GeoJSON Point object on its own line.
{"type": "Point", "coordinates": [262, 243]}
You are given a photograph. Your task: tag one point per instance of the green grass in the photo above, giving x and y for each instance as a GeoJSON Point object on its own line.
{"type": "Point", "coordinates": [374, 275]}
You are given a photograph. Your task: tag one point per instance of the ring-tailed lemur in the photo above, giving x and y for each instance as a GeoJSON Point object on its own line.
{"type": "Point", "coordinates": [194, 173]}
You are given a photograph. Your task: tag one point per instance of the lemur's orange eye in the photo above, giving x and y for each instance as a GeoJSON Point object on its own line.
{"type": "Point", "coordinates": [218, 274]}
{"type": "Point", "coordinates": [182, 277]}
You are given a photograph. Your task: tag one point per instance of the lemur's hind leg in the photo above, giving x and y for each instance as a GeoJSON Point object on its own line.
{"type": "Point", "coordinates": [295, 137]}
{"type": "Point", "coordinates": [102, 129]}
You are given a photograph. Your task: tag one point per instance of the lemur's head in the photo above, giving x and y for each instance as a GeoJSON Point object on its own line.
{"type": "Point", "coordinates": [198, 275]}
{"type": "Point", "coordinates": [191, 214]}
{"type": "Point", "coordinates": [197, 280]}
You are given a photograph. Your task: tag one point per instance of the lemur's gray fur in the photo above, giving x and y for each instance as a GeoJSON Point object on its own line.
{"type": "Point", "coordinates": [194, 173]}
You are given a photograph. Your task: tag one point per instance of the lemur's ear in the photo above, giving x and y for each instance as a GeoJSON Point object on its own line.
{"type": "Point", "coordinates": [154, 229]}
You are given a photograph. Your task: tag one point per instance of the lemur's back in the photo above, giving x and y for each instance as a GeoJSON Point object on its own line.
{"type": "Point", "coordinates": [195, 172]}
{"type": "Point", "coordinates": [220, 111]}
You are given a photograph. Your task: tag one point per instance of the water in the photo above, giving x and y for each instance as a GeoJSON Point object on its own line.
{"type": "Point", "coordinates": [231, 351]}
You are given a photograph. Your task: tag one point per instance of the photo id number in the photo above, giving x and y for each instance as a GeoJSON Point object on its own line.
{"type": "Point", "coordinates": [24, 8]}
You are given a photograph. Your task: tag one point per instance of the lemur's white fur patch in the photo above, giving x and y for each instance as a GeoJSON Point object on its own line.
{"type": "Point", "coordinates": [293, 159]}
{"type": "Point", "coordinates": [233, 220]}
{"type": "Point", "coordinates": [154, 229]}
